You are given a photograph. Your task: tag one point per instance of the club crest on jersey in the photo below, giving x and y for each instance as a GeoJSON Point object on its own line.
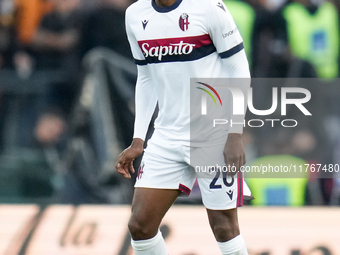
{"type": "Point", "coordinates": [184, 22]}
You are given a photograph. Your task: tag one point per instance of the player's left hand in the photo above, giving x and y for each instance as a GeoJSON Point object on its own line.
{"type": "Point", "coordinates": [234, 153]}
{"type": "Point", "coordinates": [124, 164]}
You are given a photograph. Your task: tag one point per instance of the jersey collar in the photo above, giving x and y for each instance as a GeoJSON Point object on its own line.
{"type": "Point", "coordinates": [166, 9]}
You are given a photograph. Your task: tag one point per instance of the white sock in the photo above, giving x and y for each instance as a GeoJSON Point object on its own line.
{"type": "Point", "coordinates": [153, 246]}
{"type": "Point", "coordinates": [235, 246]}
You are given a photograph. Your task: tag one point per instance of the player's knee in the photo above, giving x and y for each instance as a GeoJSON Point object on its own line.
{"type": "Point", "coordinates": [140, 230]}
{"type": "Point", "coordinates": [135, 227]}
{"type": "Point", "coordinates": [225, 232]}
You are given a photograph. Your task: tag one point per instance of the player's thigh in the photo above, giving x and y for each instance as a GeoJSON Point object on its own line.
{"type": "Point", "coordinates": [148, 209]}
{"type": "Point", "coordinates": [219, 190]}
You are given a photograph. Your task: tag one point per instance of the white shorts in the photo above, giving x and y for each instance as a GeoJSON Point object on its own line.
{"type": "Point", "coordinates": [167, 166]}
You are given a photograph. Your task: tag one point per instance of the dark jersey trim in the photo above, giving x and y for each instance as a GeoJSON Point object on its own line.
{"type": "Point", "coordinates": [196, 54]}
{"type": "Point", "coordinates": [165, 9]}
{"type": "Point", "coordinates": [232, 51]}
{"type": "Point", "coordinates": [140, 62]}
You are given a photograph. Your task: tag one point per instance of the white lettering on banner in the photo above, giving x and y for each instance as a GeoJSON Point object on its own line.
{"type": "Point", "coordinates": [172, 49]}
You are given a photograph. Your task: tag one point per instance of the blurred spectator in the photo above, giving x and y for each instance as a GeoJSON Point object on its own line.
{"type": "Point", "coordinates": [258, 24]}
{"type": "Point", "coordinates": [311, 30]}
{"type": "Point", "coordinates": [56, 40]}
{"type": "Point", "coordinates": [303, 144]}
{"type": "Point", "coordinates": [28, 17]}
{"type": "Point", "coordinates": [55, 46]}
{"type": "Point", "coordinates": [7, 19]}
{"type": "Point", "coordinates": [49, 129]}
{"type": "Point", "coordinates": [244, 17]}
{"type": "Point", "coordinates": [99, 116]}
{"type": "Point", "coordinates": [105, 27]}
{"type": "Point", "coordinates": [264, 49]}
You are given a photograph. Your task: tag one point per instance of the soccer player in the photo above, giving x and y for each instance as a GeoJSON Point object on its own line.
{"type": "Point", "coordinates": [173, 41]}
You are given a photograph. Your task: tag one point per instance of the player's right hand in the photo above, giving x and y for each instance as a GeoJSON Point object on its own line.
{"type": "Point", "coordinates": [124, 164]}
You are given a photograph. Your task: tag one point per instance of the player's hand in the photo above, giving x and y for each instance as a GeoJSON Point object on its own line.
{"type": "Point", "coordinates": [234, 153]}
{"type": "Point", "coordinates": [125, 160]}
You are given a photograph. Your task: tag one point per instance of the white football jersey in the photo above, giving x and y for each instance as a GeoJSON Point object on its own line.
{"type": "Point", "coordinates": [183, 41]}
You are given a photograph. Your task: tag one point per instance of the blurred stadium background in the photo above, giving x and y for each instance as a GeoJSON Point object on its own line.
{"type": "Point", "coordinates": [67, 110]}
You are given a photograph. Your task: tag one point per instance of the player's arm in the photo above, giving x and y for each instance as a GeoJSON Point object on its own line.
{"type": "Point", "coordinates": [145, 104]}
{"type": "Point", "coordinates": [229, 45]}
{"type": "Point", "coordinates": [238, 68]}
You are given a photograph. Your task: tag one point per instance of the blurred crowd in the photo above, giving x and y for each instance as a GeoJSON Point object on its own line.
{"type": "Point", "coordinates": [67, 91]}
